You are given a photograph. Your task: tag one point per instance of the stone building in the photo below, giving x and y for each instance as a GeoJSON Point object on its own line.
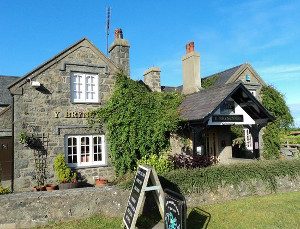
{"type": "Point", "coordinates": [51, 103]}
{"type": "Point", "coordinates": [227, 98]}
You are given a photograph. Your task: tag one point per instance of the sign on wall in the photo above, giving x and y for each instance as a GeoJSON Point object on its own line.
{"type": "Point", "coordinates": [175, 210]}
{"type": "Point", "coordinates": [137, 195]}
{"type": "Point", "coordinates": [227, 118]}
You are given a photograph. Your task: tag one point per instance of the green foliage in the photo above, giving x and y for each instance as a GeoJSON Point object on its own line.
{"type": "Point", "coordinates": [23, 137]}
{"type": "Point", "coordinates": [63, 173]}
{"type": "Point", "coordinates": [210, 178]}
{"type": "Point", "coordinates": [236, 131]}
{"type": "Point", "coordinates": [137, 122]}
{"type": "Point", "coordinates": [4, 190]}
{"type": "Point", "coordinates": [209, 81]}
{"type": "Point", "coordinates": [160, 163]}
{"type": "Point", "coordinates": [275, 103]}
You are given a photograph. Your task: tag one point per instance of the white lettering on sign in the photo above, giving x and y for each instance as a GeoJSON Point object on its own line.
{"type": "Point", "coordinates": [139, 181]}
{"type": "Point", "coordinates": [256, 145]}
{"type": "Point", "coordinates": [136, 189]}
{"type": "Point", "coordinates": [133, 200]}
{"type": "Point", "coordinates": [129, 212]}
{"type": "Point", "coordinates": [141, 173]}
{"type": "Point", "coordinates": [131, 206]}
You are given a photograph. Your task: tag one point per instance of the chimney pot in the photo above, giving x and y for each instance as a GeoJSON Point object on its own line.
{"type": "Point", "coordinates": [118, 34]}
{"type": "Point", "coordinates": [190, 47]}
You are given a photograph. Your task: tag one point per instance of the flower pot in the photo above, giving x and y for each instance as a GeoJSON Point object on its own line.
{"type": "Point", "coordinates": [39, 188]}
{"type": "Point", "coordinates": [51, 187]}
{"type": "Point", "coordinates": [100, 182]}
{"type": "Point", "coordinates": [67, 185]}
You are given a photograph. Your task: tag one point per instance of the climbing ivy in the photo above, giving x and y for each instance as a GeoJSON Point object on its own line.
{"type": "Point", "coordinates": [137, 122]}
{"type": "Point", "coordinates": [209, 81]}
{"type": "Point", "coordinates": [274, 101]}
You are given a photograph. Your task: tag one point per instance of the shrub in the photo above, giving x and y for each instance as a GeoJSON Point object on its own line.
{"type": "Point", "coordinates": [4, 190]}
{"type": "Point", "coordinates": [160, 163]}
{"type": "Point", "coordinates": [210, 178]}
{"type": "Point", "coordinates": [190, 161]}
{"type": "Point", "coordinates": [63, 173]}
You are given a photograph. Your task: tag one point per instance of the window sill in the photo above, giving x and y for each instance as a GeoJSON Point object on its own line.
{"type": "Point", "coordinates": [87, 166]}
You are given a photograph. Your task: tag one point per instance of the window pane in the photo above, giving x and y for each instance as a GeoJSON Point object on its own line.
{"type": "Point", "coordinates": [74, 159]}
{"type": "Point", "coordinates": [70, 159]}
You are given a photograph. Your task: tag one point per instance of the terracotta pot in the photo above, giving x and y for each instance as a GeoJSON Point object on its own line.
{"type": "Point", "coordinates": [67, 185]}
{"type": "Point", "coordinates": [100, 182]}
{"type": "Point", "coordinates": [51, 187]}
{"type": "Point", "coordinates": [39, 188]}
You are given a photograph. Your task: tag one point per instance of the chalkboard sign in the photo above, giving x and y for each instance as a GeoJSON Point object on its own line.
{"type": "Point", "coordinates": [175, 210]}
{"type": "Point", "coordinates": [136, 196]}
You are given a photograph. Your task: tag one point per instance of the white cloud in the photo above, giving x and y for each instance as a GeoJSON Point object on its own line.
{"type": "Point", "coordinates": [281, 72]}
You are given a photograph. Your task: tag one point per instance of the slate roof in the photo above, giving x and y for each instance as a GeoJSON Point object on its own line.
{"type": "Point", "coordinates": [198, 105]}
{"type": "Point", "coordinates": [5, 97]}
{"type": "Point", "coordinates": [224, 76]}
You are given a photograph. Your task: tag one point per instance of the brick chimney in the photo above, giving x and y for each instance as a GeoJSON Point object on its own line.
{"type": "Point", "coordinates": [119, 52]}
{"type": "Point", "coordinates": [191, 70]}
{"type": "Point", "coordinates": [152, 78]}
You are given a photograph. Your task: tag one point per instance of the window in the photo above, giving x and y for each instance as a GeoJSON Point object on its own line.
{"type": "Point", "coordinates": [85, 150]}
{"type": "Point", "coordinates": [253, 92]}
{"type": "Point", "coordinates": [84, 88]}
{"type": "Point", "coordinates": [248, 78]}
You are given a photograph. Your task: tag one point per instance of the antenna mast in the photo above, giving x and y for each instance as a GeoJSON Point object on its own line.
{"type": "Point", "coordinates": [108, 11]}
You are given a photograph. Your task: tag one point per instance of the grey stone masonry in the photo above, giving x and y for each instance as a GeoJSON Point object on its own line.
{"type": "Point", "coordinates": [152, 78]}
{"type": "Point", "coordinates": [50, 112]}
{"type": "Point", "coordinates": [119, 52]}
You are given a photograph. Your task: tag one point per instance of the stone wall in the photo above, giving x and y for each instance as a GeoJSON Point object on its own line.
{"type": "Point", "coordinates": [51, 113]}
{"type": "Point", "coordinates": [152, 78]}
{"type": "Point", "coordinates": [34, 208]}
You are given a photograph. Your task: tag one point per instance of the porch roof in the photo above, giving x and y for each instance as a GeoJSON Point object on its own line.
{"type": "Point", "coordinates": [201, 105]}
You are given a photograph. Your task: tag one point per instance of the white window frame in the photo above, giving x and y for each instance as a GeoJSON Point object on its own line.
{"type": "Point", "coordinates": [91, 145]}
{"type": "Point", "coordinates": [253, 92]}
{"type": "Point", "coordinates": [83, 87]}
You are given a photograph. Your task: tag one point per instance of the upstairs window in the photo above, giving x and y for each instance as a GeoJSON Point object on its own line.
{"type": "Point", "coordinates": [88, 150]}
{"type": "Point", "coordinates": [248, 78]}
{"type": "Point", "coordinates": [84, 88]}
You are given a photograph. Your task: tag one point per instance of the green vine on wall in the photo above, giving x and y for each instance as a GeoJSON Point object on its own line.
{"type": "Point", "coordinates": [274, 101]}
{"type": "Point", "coordinates": [137, 122]}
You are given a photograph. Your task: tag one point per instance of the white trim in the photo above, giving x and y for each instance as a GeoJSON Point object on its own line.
{"type": "Point", "coordinates": [91, 145]}
{"type": "Point", "coordinates": [83, 87]}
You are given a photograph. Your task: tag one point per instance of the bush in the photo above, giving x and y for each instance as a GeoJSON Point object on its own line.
{"type": "Point", "coordinates": [210, 178]}
{"type": "Point", "coordinates": [4, 190]}
{"type": "Point", "coordinates": [160, 163]}
{"type": "Point", "coordinates": [190, 161]}
{"type": "Point", "coordinates": [62, 171]}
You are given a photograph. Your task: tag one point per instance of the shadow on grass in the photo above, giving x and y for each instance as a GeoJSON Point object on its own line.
{"type": "Point", "coordinates": [198, 218]}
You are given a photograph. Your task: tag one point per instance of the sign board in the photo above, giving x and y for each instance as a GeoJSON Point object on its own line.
{"type": "Point", "coordinates": [137, 195]}
{"type": "Point", "coordinates": [227, 118]}
{"type": "Point", "coordinates": [227, 107]}
{"type": "Point", "coordinates": [175, 210]}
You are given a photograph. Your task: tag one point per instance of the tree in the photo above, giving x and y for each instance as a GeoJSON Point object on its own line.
{"type": "Point", "coordinates": [274, 102]}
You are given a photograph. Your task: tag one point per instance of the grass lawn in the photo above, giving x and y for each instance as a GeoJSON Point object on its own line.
{"type": "Point", "coordinates": [273, 211]}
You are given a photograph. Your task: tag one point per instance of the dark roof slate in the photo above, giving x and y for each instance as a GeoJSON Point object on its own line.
{"type": "Point", "coordinates": [198, 105]}
{"type": "Point", "coordinates": [5, 97]}
{"type": "Point", "coordinates": [224, 76]}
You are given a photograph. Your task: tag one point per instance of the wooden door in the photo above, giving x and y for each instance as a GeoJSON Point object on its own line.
{"type": "Point", "coordinates": [6, 160]}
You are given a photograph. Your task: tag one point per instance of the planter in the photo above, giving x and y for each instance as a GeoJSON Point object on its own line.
{"type": "Point", "coordinates": [100, 182]}
{"type": "Point", "coordinates": [51, 187]}
{"type": "Point", "coordinates": [67, 185]}
{"type": "Point", "coordinates": [39, 188]}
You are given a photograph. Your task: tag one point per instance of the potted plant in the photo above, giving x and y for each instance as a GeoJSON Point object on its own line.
{"type": "Point", "coordinates": [100, 182]}
{"type": "Point", "coordinates": [65, 176]}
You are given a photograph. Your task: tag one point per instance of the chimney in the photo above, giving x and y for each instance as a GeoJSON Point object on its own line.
{"type": "Point", "coordinates": [119, 52]}
{"type": "Point", "coordinates": [191, 70]}
{"type": "Point", "coordinates": [152, 78]}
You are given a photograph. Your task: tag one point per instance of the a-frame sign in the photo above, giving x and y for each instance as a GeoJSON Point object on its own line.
{"type": "Point", "coordinates": [137, 195]}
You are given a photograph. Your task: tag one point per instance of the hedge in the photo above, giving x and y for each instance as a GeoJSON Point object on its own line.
{"type": "Point", "coordinates": [210, 178]}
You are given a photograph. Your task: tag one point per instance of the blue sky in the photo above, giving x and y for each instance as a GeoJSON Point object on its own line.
{"type": "Point", "coordinates": [226, 33]}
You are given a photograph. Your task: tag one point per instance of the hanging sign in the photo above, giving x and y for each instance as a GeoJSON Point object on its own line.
{"type": "Point", "coordinates": [227, 118]}
{"type": "Point", "coordinates": [137, 195]}
{"type": "Point", "coordinates": [175, 210]}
